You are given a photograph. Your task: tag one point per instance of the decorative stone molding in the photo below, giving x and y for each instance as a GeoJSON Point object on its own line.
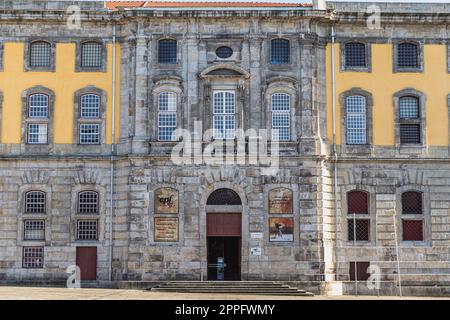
{"type": "Point", "coordinates": [36, 177]}
{"type": "Point", "coordinates": [88, 177]}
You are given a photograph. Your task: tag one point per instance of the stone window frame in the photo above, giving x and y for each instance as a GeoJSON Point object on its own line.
{"type": "Point", "coordinates": [448, 104]}
{"type": "Point", "coordinates": [27, 57]}
{"type": "Point", "coordinates": [420, 58]}
{"type": "Point", "coordinates": [448, 57]}
{"type": "Point", "coordinates": [410, 148]}
{"type": "Point", "coordinates": [368, 48]}
{"type": "Point", "coordinates": [49, 120]}
{"type": "Point", "coordinates": [363, 148]}
{"type": "Point", "coordinates": [167, 65]}
{"type": "Point", "coordinates": [78, 51]}
{"type": "Point", "coordinates": [1, 113]}
{"type": "Point", "coordinates": [101, 121]}
{"type": "Point", "coordinates": [2, 48]}
{"type": "Point", "coordinates": [287, 66]}
{"type": "Point", "coordinates": [426, 207]}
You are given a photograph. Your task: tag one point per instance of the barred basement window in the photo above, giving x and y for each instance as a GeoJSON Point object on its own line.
{"type": "Point", "coordinates": [360, 272]}
{"type": "Point", "coordinates": [87, 230]}
{"type": "Point", "coordinates": [412, 216]}
{"type": "Point", "coordinates": [91, 54]}
{"type": "Point", "coordinates": [88, 202]}
{"type": "Point", "coordinates": [35, 202]}
{"type": "Point", "coordinates": [34, 230]}
{"type": "Point", "coordinates": [167, 116]}
{"type": "Point", "coordinates": [356, 120]}
{"type": "Point", "coordinates": [90, 106]}
{"type": "Point", "coordinates": [407, 55]}
{"type": "Point", "coordinates": [280, 51]}
{"type": "Point", "coordinates": [409, 120]}
{"type": "Point", "coordinates": [33, 257]}
{"type": "Point", "coordinates": [167, 51]}
{"type": "Point", "coordinates": [38, 106]}
{"type": "Point", "coordinates": [40, 54]}
{"type": "Point", "coordinates": [89, 133]}
{"type": "Point", "coordinates": [281, 114]}
{"type": "Point", "coordinates": [358, 221]}
{"type": "Point", "coordinates": [355, 55]}
{"type": "Point", "coordinates": [224, 114]}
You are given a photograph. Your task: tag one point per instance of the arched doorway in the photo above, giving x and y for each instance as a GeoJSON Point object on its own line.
{"type": "Point", "coordinates": [224, 231]}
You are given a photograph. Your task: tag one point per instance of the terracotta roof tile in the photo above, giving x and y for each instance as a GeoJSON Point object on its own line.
{"type": "Point", "coordinates": [199, 4]}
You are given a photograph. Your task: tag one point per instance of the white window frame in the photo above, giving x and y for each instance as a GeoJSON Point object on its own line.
{"type": "Point", "coordinates": [39, 133]}
{"type": "Point", "coordinates": [171, 111]}
{"type": "Point", "coordinates": [357, 132]}
{"type": "Point", "coordinates": [281, 113]}
{"type": "Point", "coordinates": [223, 116]}
{"type": "Point", "coordinates": [84, 134]}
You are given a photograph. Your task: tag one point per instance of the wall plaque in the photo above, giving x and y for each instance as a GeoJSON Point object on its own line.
{"type": "Point", "coordinates": [281, 229]}
{"type": "Point", "coordinates": [166, 200]}
{"type": "Point", "coordinates": [280, 201]}
{"type": "Point", "coordinates": [166, 229]}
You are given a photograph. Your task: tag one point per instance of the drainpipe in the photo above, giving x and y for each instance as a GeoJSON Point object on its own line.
{"type": "Point", "coordinates": [335, 156]}
{"type": "Point", "coordinates": [113, 149]}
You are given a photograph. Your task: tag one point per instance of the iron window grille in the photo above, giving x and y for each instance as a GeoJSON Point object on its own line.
{"type": "Point", "coordinates": [409, 120]}
{"type": "Point", "coordinates": [90, 106]}
{"type": "Point", "coordinates": [358, 220]}
{"type": "Point", "coordinates": [167, 116]}
{"type": "Point", "coordinates": [37, 133]}
{"type": "Point", "coordinates": [224, 197]}
{"type": "Point", "coordinates": [35, 202]}
{"type": "Point", "coordinates": [407, 55]}
{"type": "Point", "coordinates": [356, 120]}
{"type": "Point", "coordinates": [87, 230]}
{"type": "Point", "coordinates": [167, 51]}
{"type": "Point", "coordinates": [280, 51]}
{"type": "Point", "coordinates": [88, 202]}
{"type": "Point", "coordinates": [40, 54]}
{"type": "Point", "coordinates": [34, 230]}
{"type": "Point", "coordinates": [281, 115]}
{"type": "Point", "coordinates": [38, 106]}
{"type": "Point", "coordinates": [33, 257]}
{"type": "Point", "coordinates": [91, 54]}
{"type": "Point", "coordinates": [412, 216]}
{"type": "Point", "coordinates": [224, 114]}
{"type": "Point", "coordinates": [89, 133]}
{"type": "Point", "coordinates": [355, 55]}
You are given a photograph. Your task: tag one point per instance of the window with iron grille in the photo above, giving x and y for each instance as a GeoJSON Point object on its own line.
{"type": "Point", "coordinates": [88, 202]}
{"type": "Point", "coordinates": [40, 54]}
{"type": "Point", "coordinates": [355, 55]}
{"type": "Point", "coordinates": [412, 216]}
{"type": "Point", "coordinates": [358, 220]}
{"type": "Point", "coordinates": [38, 106]}
{"type": "Point", "coordinates": [35, 202]}
{"type": "Point", "coordinates": [167, 116]}
{"type": "Point", "coordinates": [280, 51]}
{"type": "Point", "coordinates": [90, 106]}
{"type": "Point", "coordinates": [358, 270]}
{"type": "Point", "coordinates": [407, 55]}
{"type": "Point", "coordinates": [89, 133]}
{"type": "Point", "coordinates": [37, 133]}
{"type": "Point", "coordinates": [281, 116]}
{"type": "Point", "coordinates": [356, 120]}
{"type": "Point", "coordinates": [224, 117]}
{"type": "Point", "coordinates": [409, 120]}
{"type": "Point", "coordinates": [34, 230]}
{"type": "Point", "coordinates": [33, 257]}
{"type": "Point", "coordinates": [87, 230]}
{"type": "Point", "coordinates": [167, 51]}
{"type": "Point", "coordinates": [91, 54]}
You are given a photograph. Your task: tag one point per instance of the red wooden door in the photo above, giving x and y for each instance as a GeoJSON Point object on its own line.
{"type": "Point", "coordinates": [224, 225]}
{"type": "Point", "coordinates": [87, 262]}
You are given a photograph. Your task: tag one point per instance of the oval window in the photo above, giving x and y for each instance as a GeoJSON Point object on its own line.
{"type": "Point", "coordinates": [224, 52]}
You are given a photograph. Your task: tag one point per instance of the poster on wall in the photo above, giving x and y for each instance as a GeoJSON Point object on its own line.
{"type": "Point", "coordinates": [166, 200]}
{"type": "Point", "coordinates": [281, 229]}
{"type": "Point", "coordinates": [280, 201]}
{"type": "Point", "coordinates": [166, 229]}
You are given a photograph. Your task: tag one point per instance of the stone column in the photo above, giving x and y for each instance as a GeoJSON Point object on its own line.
{"type": "Point", "coordinates": [256, 115]}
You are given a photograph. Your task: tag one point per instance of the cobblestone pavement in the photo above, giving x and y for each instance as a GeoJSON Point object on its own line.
{"type": "Point", "coordinates": [33, 293]}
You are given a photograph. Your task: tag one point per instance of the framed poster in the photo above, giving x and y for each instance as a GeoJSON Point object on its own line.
{"type": "Point", "coordinates": [166, 200]}
{"type": "Point", "coordinates": [166, 229]}
{"type": "Point", "coordinates": [281, 229]}
{"type": "Point", "coordinates": [280, 201]}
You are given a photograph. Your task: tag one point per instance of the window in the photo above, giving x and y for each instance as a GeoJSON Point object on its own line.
{"type": "Point", "coordinates": [89, 133]}
{"type": "Point", "coordinates": [167, 116]}
{"type": "Point", "coordinates": [90, 106]}
{"type": "Point", "coordinates": [281, 114]}
{"type": "Point", "coordinates": [40, 54]}
{"type": "Point", "coordinates": [409, 120]}
{"type": "Point", "coordinates": [87, 230]}
{"type": "Point", "coordinates": [358, 220]}
{"type": "Point", "coordinates": [91, 54]}
{"type": "Point", "coordinates": [88, 202]}
{"type": "Point", "coordinates": [89, 116]}
{"type": "Point", "coordinates": [356, 120]}
{"type": "Point", "coordinates": [355, 55]}
{"type": "Point", "coordinates": [279, 51]}
{"type": "Point", "coordinates": [167, 51]}
{"type": "Point", "coordinates": [35, 202]}
{"type": "Point", "coordinates": [224, 52]}
{"type": "Point", "coordinates": [224, 117]}
{"type": "Point", "coordinates": [37, 133]}
{"type": "Point", "coordinates": [38, 106]}
{"type": "Point", "coordinates": [33, 257]}
{"type": "Point", "coordinates": [407, 55]}
{"type": "Point", "coordinates": [34, 230]}
{"type": "Point", "coordinates": [360, 272]}
{"type": "Point", "coordinates": [412, 216]}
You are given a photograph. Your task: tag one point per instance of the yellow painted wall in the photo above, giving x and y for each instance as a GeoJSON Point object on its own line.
{"type": "Point", "coordinates": [434, 82]}
{"type": "Point", "coordinates": [64, 82]}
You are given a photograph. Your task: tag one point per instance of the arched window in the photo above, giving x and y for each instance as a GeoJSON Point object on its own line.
{"type": "Point", "coordinates": [280, 51]}
{"type": "Point", "coordinates": [281, 116]}
{"type": "Point", "coordinates": [91, 54]}
{"type": "Point", "coordinates": [167, 116]}
{"type": "Point", "coordinates": [89, 113]}
{"type": "Point", "coordinates": [412, 216]}
{"type": "Point", "coordinates": [355, 55]}
{"type": "Point", "coordinates": [356, 120]}
{"type": "Point", "coordinates": [358, 219]}
{"type": "Point", "coordinates": [37, 115]}
{"type": "Point", "coordinates": [167, 51]}
{"type": "Point", "coordinates": [40, 54]}
{"type": "Point", "coordinates": [88, 202]}
{"type": "Point", "coordinates": [35, 202]}
{"type": "Point", "coordinates": [407, 55]}
{"type": "Point", "coordinates": [409, 119]}
{"type": "Point", "coordinates": [224, 197]}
